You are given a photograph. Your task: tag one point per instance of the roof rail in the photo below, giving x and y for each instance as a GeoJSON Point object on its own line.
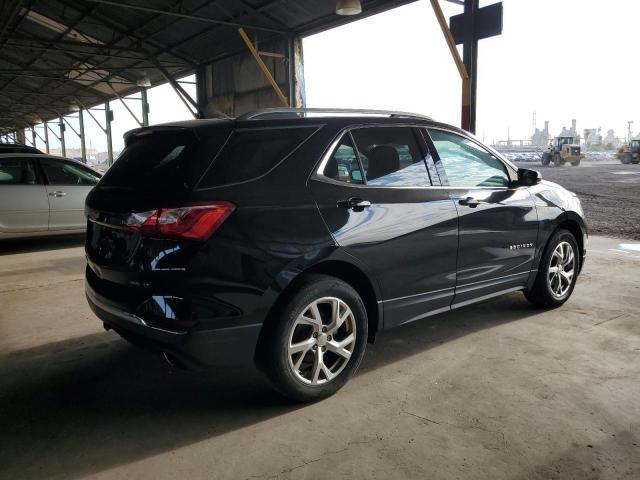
{"type": "Point", "coordinates": [302, 112]}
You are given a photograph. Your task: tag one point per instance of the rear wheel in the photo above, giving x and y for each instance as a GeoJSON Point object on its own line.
{"type": "Point", "coordinates": [557, 272]}
{"type": "Point", "coordinates": [318, 340]}
{"type": "Point", "coordinates": [626, 158]}
{"type": "Point", "coordinates": [576, 163]}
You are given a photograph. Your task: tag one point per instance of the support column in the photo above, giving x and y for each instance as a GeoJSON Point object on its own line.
{"type": "Point", "coordinates": [201, 90]}
{"type": "Point", "coordinates": [292, 71]}
{"type": "Point", "coordinates": [83, 146]}
{"type": "Point", "coordinates": [470, 60]}
{"type": "Point", "coordinates": [46, 136]}
{"type": "Point", "coordinates": [145, 107]}
{"type": "Point", "coordinates": [63, 147]}
{"type": "Point", "coordinates": [109, 118]}
{"type": "Point", "coordinates": [33, 135]}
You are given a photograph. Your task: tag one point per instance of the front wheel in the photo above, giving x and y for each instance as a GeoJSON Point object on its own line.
{"type": "Point", "coordinates": [546, 159]}
{"type": "Point", "coordinates": [557, 271]}
{"type": "Point", "coordinates": [317, 341]}
{"type": "Point", "coordinates": [576, 163]}
{"type": "Point", "coordinates": [626, 158]}
{"type": "Point", "coordinates": [557, 160]}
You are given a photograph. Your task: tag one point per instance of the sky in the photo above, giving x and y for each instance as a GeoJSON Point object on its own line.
{"type": "Point", "coordinates": [563, 59]}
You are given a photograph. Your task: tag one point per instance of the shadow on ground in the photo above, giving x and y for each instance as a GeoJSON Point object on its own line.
{"type": "Point", "coordinates": [90, 403]}
{"type": "Point", "coordinates": [37, 244]}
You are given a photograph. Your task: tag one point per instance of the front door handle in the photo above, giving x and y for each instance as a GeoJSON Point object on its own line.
{"type": "Point", "coordinates": [469, 202]}
{"type": "Point", "coordinates": [355, 204]}
{"type": "Point", "coordinates": [57, 193]}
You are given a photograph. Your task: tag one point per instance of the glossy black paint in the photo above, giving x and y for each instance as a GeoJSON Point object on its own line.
{"type": "Point", "coordinates": [414, 252]}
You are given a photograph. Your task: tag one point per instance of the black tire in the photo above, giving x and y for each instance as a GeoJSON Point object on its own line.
{"type": "Point", "coordinates": [576, 163]}
{"type": "Point", "coordinates": [276, 362]}
{"type": "Point", "coordinates": [541, 294]}
{"type": "Point", "coordinates": [557, 160]}
{"type": "Point", "coordinates": [626, 158]}
{"type": "Point", "coordinates": [546, 159]}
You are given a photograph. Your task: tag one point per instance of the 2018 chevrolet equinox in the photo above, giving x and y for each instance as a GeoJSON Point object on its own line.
{"type": "Point", "coordinates": [289, 238]}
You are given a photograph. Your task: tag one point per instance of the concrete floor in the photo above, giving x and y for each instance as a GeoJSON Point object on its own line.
{"type": "Point", "coordinates": [497, 390]}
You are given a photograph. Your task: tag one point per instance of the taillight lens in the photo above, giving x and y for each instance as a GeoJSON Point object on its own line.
{"type": "Point", "coordinates": [196, 222]}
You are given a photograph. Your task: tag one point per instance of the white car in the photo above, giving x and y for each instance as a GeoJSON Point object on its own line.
{"type": "Point", "coordinates": [43, 195]}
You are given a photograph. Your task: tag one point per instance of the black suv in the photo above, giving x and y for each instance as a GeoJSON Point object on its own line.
{"type": "Point", "coordinates": [289, 238]}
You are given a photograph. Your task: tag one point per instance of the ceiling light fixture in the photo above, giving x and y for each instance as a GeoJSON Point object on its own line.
{"type": "Point", "coordinates": [144, 82]}
{"type": "Point", "coordinates": [348, 7]}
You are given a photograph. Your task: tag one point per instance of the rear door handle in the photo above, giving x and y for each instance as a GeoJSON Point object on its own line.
{"type": "Point", "coordinates": [355, 204]}
{"type": "Point", "coordinates": [57, 193]}
{"type": "Point", "coordinates": [469, 202]}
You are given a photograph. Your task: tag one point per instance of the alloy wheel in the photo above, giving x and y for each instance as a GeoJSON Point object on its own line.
{"type": "Point", "coordinates": [562, 267]}
{"type": "Point", "coordinates": [321, 341]}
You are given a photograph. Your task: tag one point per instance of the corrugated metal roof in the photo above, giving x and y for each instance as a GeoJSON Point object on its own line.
{"type": "Point", "coordinates": [55, 54]}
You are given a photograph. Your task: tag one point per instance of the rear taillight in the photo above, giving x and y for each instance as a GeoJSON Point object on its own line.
{"type": "Point", "coordinates": [196, 222]}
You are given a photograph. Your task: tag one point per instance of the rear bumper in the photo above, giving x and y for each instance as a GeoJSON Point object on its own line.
{"type": "Point", "coordinates": [191, 348]}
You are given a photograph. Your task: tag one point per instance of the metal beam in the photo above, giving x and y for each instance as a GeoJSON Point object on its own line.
{"type": "Point", "coordinates": [70, 126]}
{"type": "Point", "coordinates": [184, 96]}
{"type": "Point", "coordinates": [38, 135]}
{"type": "Point", "coordinates": [190, 17]}
{"type": "Point", "coordinates": [46, 137]}
{"type": "Point", "coordinates": [126, 106]}
{"type": "Point", "coordinates": [263, 67]}
{"type": "Point", "coordinates": [52, 131]}
{"type": "Point", "coordinates": [63, 147]}
{"type": "Point", "coordinates": [462, 70]}
{"type": "Point", "coordinates": [88, 110]}
{"type": "Point", "coordinates": [9, 20]}
{"type": "Point", "coordinates": [145, 107]}
{"type": "Point", "coordinates": [109, 117]}
{"type": "Point", "coordinates": [291, 71]}
{"type": "Point", "coordinates": [83, 146]}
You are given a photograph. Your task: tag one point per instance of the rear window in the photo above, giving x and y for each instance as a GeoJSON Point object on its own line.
{"type": "Point", "coordinates": [253, 152]}
{"type": "Point", "coordinates": [164, 160]}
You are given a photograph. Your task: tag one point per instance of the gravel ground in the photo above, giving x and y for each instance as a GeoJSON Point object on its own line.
{"type": "Point", "coordinates": [610, 194]}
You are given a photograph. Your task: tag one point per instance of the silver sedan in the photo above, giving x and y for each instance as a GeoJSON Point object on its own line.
{"type": "Point", "coordinates": [43, 195]}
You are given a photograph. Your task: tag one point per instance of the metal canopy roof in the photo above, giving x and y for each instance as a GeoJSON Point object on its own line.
{"type": "Point", "coordinates": [57, 55]}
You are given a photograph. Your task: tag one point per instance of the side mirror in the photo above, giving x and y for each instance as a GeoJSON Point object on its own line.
{"type": "Point", "coordinates": [528, 178]}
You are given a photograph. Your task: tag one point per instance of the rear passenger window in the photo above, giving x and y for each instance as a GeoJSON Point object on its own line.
{"type": "Point", "coordinates": [251, 153]}
{"type": "Point", "coordinates": [343, 164]}
{"type": "Point", "coordinates": [15, 171]}
{"type": "Point", "coordinates": [391, 156]}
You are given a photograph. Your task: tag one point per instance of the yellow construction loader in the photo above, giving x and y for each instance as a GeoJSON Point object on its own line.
{"type": "Point", "coordinates": [562, 150]}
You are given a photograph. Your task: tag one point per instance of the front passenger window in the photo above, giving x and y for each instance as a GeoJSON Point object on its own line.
{"type": "Point", "coordinates": [466, 164]}
{"type": "Point", "coordinates": [59, 172]}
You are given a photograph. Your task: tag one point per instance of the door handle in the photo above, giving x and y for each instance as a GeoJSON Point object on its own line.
{"type": "Point", "coordinates": [469, 202]}
{"type": "Point", "coordinates": [355, 204]}
{"type": "Point", "coordinates": [57, 193]}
